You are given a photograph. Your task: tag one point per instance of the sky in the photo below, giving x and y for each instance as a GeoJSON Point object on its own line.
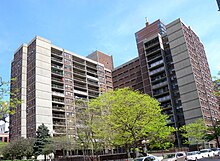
{"type": "Point", "coordinates": [83, 26]}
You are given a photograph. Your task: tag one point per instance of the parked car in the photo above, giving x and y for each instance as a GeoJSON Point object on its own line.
{"type": "Point", "coordinates": [147, 158]}
{"type": "Point", "coordinates": [178, 156]}
{"type": "Point", "coordinates": [216, 151]}
{"type": "Point", "coordinates": [193, 155]}
{"type": "Point", "coordinates": [206, 153]}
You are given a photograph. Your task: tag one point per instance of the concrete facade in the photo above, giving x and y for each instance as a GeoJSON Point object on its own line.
{"type": "Point", "coordinates": [52, 78]}
{"type": "Point", "coordinates": [173, 69]}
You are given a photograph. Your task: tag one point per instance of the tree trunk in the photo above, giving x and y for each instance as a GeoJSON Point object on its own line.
{"type": "Point", "coordinates": [218, 144]}
{"type": "Point", "coordinates": [45, 157]}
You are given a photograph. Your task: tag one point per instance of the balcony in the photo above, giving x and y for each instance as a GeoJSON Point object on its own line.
{"type": "Point", "coordinates": [57, 87]}
{"type": "Point", "coordinates": [59, 108]}
{"type": "Point", "coordinates": [60, 116]}
{"type": "Point", "coordinates": [156, 64]}
{"type": "Point", "coordinates": [80, 85]}
{"type": "Point", "coordinates": [58, 94]}
{"type": "Point", "coordinates": [79, 67]}
{"type": "Point", "coordinates": [165, 98]}
{"type": "Point", "coordinates": [158, 93]}
{"type": "Point", "coordinates": [57, 72]}
{"type": "Point", "coordinates": [93, 94]}
{"type": "Point", "coordinates": [152, 44]}
{"type": "Point", "coordinates": [83, 74]}
{"type": "Point", "coordinates": [78, 60]}
{"type": "Point", "coordinates": [152, 51]}
{"type": "Point", "coordinates": [57, 67]}
{"type": "Point", "coordinates": [57, 60]}
{"type": "Point", "coordinates": [159, 85]}
{"type": "Point", "coordinates": [92, 71]}
{"type": "Point", "coordinates": [59, 123]}
{"type": "Point", "coordinates": [77, 79]}
{"type": "Point", "coordinates": [95, 90]}
{"type": "Point", "coordinates": [59, 80]}
{"type": "Point", "coordinates": [57, 54]}
{"type": "Point", "coordinates": [93, 83]}
{"type": "Point", "coordinates": [92, 66]}
{"type": "Point", "coordinates": [57, 100]}
{"type": "Point", "coordinates": [156, 71]}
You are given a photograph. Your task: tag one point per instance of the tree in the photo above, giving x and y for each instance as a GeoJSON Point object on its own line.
{"type": "Point", "coordinates": [214, 132]}
{"type": "Point", "coordinates": [195, 132]}
{"type": "Point", "coordinates": [8, 106]}
{"type": "Point", "coordinates": [125, 117]}
{"type": "Point", "coordinates": [19, 148]}
{"type": "Point", "coordinates": [62, 143]}
{"type": "Point", "coordinates": [42, 135]}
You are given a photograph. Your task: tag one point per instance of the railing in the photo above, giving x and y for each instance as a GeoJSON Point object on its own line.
{"type": "Point", "coordinates": [91, 66]}
{"type": "Point", "coordinates": [57, 79]}
{"type": "Point", "coordinates": [163, 99]}
{"type": "Point", "coordinates": [58, 94]}
{"type": "Point", "coordinates": [152, 50]}
{"type": "Point", "coordinates": [57, 60]}
{"type": "Point", "coordinates": [79, 67]}
{"type": "Point", "coordinates": [59, 123]}
{"type": "Point", "coordinates": [57, 72]}
{"type": "Point", "coordinates": [90, 82]}
{"type": "Point", "coordinates": [57, 66]}
{"type": "Point", "coordinates": [61, 55]}
{"type": "Point", "coordinates": [160, 92]}
{"type": "Point", "coordinates": [57, 86]}
{"type": "Point", "coordinates": [157, 70]}
{"type": "Point", "coordinates": [91, 71]}
{"type": "Point", "coordinates": [58, 108]}
{"type": "Point", "coordinates": [80, 85]}
{"type": "Point", "coordinates": [79, 73]}
{"type": "Point", "coordinates": [159, 84]}
{"type": "Point", "coordinates": [58, 100]}
{"type": "Point", "coordinates": [59, 115]}
{"type": "Point", "coordinates": [156, 63]}
{"type": "Point", "coordinates": [79, 79]}
{"type": "Point", "coordinates": [93, 89]}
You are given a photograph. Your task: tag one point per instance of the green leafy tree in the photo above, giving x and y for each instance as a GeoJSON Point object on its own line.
{"type": "Point", "coordinates": [62, 143]}
{"type": "Point", "coordinates": [42, 135]}
{"type": "Point", "coordinates": [19, 148]}
{"type": "Point", "coordinates": [86, 138]}
{"type": "Point", "coordinates": [125, 117]}
{"type": "Point", "coordinates": [214, 132]}
{"type": "Point", "coordinates": [195, 132]}
{"type": "Point", "coordinates": [8, 106]}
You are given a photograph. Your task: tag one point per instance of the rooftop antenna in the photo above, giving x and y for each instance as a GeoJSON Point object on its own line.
{"type": "Point", "coordinates": [147, 22]}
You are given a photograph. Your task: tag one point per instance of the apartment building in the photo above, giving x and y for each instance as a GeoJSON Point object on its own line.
{"type": "Point", "coordinates": [49, 79]}
{"type": "Point", "coordinates": [174, 69]}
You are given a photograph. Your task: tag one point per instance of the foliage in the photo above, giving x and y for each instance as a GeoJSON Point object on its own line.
{"type": "Point", "coordinates": [42, 135]}
{"type": "Point", "coordinates": [7, 107]}
{"type": "Point", "coordinates": [213, 132]}
{"type": "Point", "coordinates": [125, 117]}
{"type": "Point", "coordinates": [59, 143]}
{"type": "Point", "coordinates": [2, 146]}
{"type": "Point", "coordinates": [195, 132]}
{"type": "Point", "coordinates": [19, 148]}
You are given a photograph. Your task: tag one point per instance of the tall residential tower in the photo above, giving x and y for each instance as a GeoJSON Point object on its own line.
{"type": "Point", "coordinates": [49, 79]}
{"type": "Point", "coordinates": [172, 68]}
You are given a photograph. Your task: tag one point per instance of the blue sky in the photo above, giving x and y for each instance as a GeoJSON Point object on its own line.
{"type": "Point", "coordinates": [82, 26]}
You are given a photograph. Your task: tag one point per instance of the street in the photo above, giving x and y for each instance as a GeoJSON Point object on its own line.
{"type": "Point", "coordinates": [210, 159]}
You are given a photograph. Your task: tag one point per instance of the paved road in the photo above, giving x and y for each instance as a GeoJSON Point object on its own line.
{"type": "Point", "coordinates": [210, 159]}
